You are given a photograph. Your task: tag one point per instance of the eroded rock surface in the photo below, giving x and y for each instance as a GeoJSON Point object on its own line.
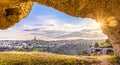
{"type": "Point", "coordinates": [104, 11]}
{"type": "Point", "coordinates": [12, 12]}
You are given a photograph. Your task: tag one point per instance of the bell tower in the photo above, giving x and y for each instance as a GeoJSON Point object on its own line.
{"type": "Point", "coordinates": [34, 38]}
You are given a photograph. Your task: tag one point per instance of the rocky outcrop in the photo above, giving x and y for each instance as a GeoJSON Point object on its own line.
{"type": "Point", "coordinates": [12, 11]}
{"type": "Point", "coordinates": [113, 34]}
{"type": "Point", "coordinates": [104, 11]}
{"type": "Point", "coordinates": [96, 9]}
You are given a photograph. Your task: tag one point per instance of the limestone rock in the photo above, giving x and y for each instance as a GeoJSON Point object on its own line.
{"type": "Point", "coordinates": [12, 12]}
{"type": "Point", "coordinates": [85, 8]}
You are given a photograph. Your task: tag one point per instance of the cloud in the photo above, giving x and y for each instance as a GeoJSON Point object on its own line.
{"type": "Point", "coordinates": [35, 29]}
{"type": "Point", "coordinates": [54, 28]}
{"type": "Point", "coordinates": [58, 25]}
{"type": "Point", "coordinates": [13, 34]}
{"type": "Point", "coordinates": [85, 34]}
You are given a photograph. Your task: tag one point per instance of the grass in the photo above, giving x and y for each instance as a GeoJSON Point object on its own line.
{"type": "Point", "coordinates": [40, 58]}
{"type": "Point", "coordinates": [114, 59]}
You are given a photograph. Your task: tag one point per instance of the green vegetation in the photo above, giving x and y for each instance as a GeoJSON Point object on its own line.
{"type": "Point", "coordinates": [40, 58]}
{"type": "Point", "coordinates": [105, 44]}
{"type": "Point", "coordinates": [114, 59]}
{"type": "Point", "coordinates": [96, 45]}
{"type": "Point", "coordinates": [20, 49]}
{"type": "Point", "coordinates": [94, 54]}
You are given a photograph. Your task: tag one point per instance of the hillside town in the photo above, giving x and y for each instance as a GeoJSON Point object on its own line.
{"type": "Point", "coordinates": [70, 47]}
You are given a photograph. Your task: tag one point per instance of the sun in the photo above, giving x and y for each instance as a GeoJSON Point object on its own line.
{"type": "Point", "coordinates": [96, 25]}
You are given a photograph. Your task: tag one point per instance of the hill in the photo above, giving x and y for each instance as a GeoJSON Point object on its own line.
{"type": "Point", "coordinates": [40, 58]}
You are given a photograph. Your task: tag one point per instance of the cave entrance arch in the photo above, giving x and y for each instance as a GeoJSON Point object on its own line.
{"type": "Point", "coordinates": [75, 27]}
{"type": "Point", "coordinates": [105, 12]}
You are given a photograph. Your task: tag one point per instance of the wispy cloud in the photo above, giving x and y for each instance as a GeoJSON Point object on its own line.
{"type": "Point", "coordinates": [13, 34]}
{"type": "Point", "coordinates": [53, 28]}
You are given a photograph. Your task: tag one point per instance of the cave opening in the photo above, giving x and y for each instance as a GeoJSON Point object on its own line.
{"type": "Point", "coordinates": [11, 11]}
{"type": "Point", "coordinates": [52, 25]}
{"type": "Point", "coordinates": [72, 27]}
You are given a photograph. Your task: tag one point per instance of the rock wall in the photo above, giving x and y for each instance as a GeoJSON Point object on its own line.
{"type": "Point", "coordinates": [104, 11]}
{"type": "Point", "coordinates": [96, 9]}
{"type": "Point", "coordinates": [113, 32]}
{"type": "Point", "coordinates": [12, 11]}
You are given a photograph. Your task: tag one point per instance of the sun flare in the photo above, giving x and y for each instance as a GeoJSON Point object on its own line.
{"type": "Point", "coordinates": [96, 25]}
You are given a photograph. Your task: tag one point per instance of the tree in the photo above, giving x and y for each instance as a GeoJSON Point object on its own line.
{"type": "Point", "coordinates": [20, 49]}
{"type": "Point", "coordinates": [96, 45]}
{"type": "Point", "coordinates": [106, 43]}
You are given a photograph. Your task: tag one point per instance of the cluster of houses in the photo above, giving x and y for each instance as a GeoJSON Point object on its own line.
{"type": "Point", "coordinates": [71, 47]}
{"type": "Point", "coordinates": [100, 50]}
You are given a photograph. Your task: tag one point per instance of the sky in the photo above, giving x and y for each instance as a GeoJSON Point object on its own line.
{"type": "Point", "coordinates": [47, 23]}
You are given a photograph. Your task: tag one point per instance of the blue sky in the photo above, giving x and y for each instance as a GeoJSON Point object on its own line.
{"type": "Point", "coordinates": [49, 24]}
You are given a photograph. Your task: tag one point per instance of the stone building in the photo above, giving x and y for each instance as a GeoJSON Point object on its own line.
{"type": "Point", "coordinates": [102, 50]}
